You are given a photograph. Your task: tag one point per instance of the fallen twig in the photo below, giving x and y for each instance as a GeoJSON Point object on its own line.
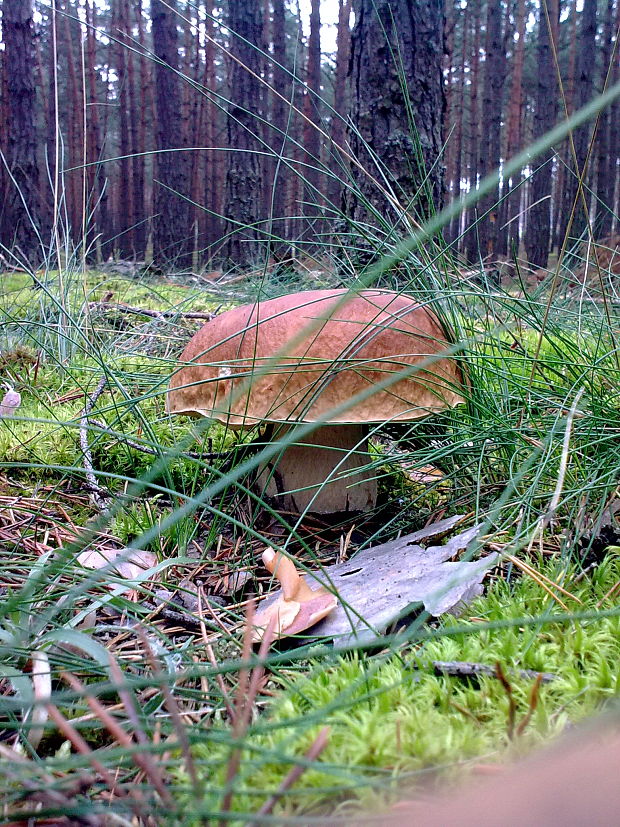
{"type": "Point", "coordinates": [466, 669]}
{"type": "Point", "coordinates": [146, 449]}
{"type": "Point", "coordinates": [154, 314]}
{"type": "Point", "coordinates": [99, 495]}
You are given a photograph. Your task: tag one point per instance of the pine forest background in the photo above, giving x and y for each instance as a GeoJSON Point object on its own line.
{"type": "Point", "coordinates": [129, 111]}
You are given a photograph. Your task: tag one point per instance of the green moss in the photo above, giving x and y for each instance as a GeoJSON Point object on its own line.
{"type": "Point", "coordinates": [392, 715]}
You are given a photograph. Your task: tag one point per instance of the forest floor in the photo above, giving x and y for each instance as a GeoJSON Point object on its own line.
{"type": "Point", "coordinates": [130, 547]}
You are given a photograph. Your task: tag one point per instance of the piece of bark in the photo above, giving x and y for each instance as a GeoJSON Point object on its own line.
{"type": "Point", "coordinates": [380, 584]}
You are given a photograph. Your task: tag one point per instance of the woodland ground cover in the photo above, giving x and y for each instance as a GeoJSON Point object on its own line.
{"type": "Point", "coordinates": [533, 456]}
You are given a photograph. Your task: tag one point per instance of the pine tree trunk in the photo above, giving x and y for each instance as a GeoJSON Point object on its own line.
{"type": "Point", "coordinates": [142, 203]}
{"type": "Point", "coordinates": [452, 112]}
{"type": "Point", "coordinates": [124, 209]}
{"type": "Point", "coordinates": [614, 136]}
{"type": "Point", "coordinates": [458, 137]}
{"type": "Point", "coordinates": [396, 56]}
{"type": "Point", "coordinates": [605, 182]}
{"type": "Point", "coordinates": [96, 174]}
{"type": "Point", "coordinates": [210, 224]}
{"type": "Point", "coordinates": [242, 207]}
{"type": "Point", "coordinates": [136, 117]}
{"type": "Point", "coordinates": [514, 129]}
{"type": "Point", "coordinates": [172, 238]}
{"type": "Point", "coordinates": [19, 202]}
{"type": "Point", "coordinates": [490, 146]}
{"type": "Point", "coordinates": [279, 112]}
{"type": "Point", "coordinates": [569, 91]}
{"type": "Point", "coordinates": [338, 164]}
{"type": "Point", "coordinates": [538, 236]}
{"type": "Point", "coordinates": [473, 251]}
{"type": "Point", "coordinates": [575, 218]}
{"type": "Point", "coordinates": [312, 123]}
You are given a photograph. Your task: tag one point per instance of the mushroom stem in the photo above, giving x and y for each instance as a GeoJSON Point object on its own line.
{"type": "Point", "coordinates": [324, 474]}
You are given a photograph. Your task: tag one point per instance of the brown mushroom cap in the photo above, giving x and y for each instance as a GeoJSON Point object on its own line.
{"type": "Point", "coordinates": [297, 357]}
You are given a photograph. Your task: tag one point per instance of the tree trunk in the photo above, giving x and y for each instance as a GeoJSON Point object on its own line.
{"type": "Point", "coordinates": [338, 164]}
{"type": "Point", "coordinates": [136, 131]}
{"type": "Point", "coordinates": [97, 199]}
{"type": "Point", "coordinates": [605, 182]}
{"type": "Point", "coordinates": [490, 146]}
{"type": "Point", "coordinates": [574, 217]}
{"type": "Point", "coordinates": [124, 208]}
{"type": "Point", "coordinates": [473, 251]}
{"type": "Point", "coordinates": [243, 179]}
{"type": "Point", "coordinates": [210, 224]}
{"type": "Point", "coordinates": [459, 124]}
{"type": "Point", "coordinates": [172, 239]}
{"type": "Point", "coordinates": [397, 110]}
{"type": "Point", "coordinates": [279, 112]}
{"type": "Point", "coordinates": [452, 111]}
{"type": "Point", "coordinates": [19, 204]}
{"type": "Point", "coordinates": [312, 123]}
{"type": "Point", "coordinates": [538, 236]}
{"type": "Point", "coordinates": [514, 137]}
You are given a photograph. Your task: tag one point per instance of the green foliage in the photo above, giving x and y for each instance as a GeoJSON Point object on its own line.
{"type": "Point", "coordinates": [391, 715]}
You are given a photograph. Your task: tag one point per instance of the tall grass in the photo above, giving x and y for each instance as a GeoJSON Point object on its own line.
{"type": "Point", "coordinates": [152, 692]}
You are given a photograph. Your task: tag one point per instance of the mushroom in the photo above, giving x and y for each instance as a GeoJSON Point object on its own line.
{"type": "Point", "coordinates": [300, 358]}
{"type": "Point", "coordinates": [299, 607]}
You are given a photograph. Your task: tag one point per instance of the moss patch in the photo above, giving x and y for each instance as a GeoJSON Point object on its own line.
{"type": "Point", "coordinates": [392, 716]}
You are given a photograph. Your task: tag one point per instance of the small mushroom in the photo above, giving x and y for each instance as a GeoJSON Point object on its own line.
{"type": "Point", "coordinates": [299, 606]}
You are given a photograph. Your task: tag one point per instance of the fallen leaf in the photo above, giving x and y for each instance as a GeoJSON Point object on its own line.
{"type": "Point", "coordinates": [128, 563]}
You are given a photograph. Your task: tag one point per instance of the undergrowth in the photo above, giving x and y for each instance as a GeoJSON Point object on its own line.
{"type": "Point", "coordinates": [393, 721]}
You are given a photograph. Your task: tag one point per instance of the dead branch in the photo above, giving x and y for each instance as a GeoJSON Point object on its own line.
{"type": "Point", "coordinates": [466, 669]}
{"type": "Point", "coordinates": [153, 314]}
{"type": "Point", "coordinates": [99, 495]}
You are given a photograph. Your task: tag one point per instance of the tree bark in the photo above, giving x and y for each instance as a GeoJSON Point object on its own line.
{"type": "Point", "coordinates": [172, 240]}
{"type": "Point", "coordinates": [459, 123]}
{"type": "Point", "coordinates": [395, 70]}
{"type": "Point", "coordinates": [515, 127]}
{"type": "Point", "coordinates": [605, 181]}
{"type": "Point", "coordinates": [243, 178]}
{"type": "Point", "coordinates": [574, 218]}
{"type": "Point", "coordinates": [490, 146]}
{"type": "Point", "coordinates": [279, 111]}
{"type": "Point", "coordinates": [124, 206]}
{"type": "Point", "coordinates": [312, 123]}
{"type": "Point", "coordinates": [136, 131]}
{"type": "Point", "coordinates": [338, 164]}
{"type": "Point", "coordinates": [473, 251]}
{"type": "Point", "coordinates": [19, 204]}
{"type": "Point", "coordinates": [538, 236]}
{"type": "Point", "coordinates": [210, 223]}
